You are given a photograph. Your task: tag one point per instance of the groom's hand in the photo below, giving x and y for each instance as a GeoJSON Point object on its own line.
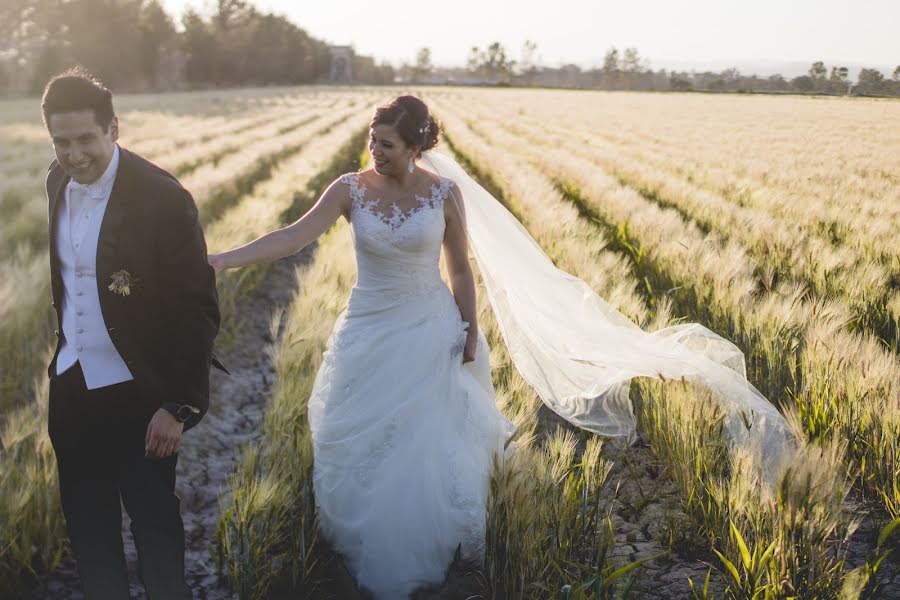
{"type": "Point", "coordinates": [163, 437]}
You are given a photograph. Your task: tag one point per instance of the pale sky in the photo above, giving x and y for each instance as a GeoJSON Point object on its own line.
{"type": "Point", "coordinates": [668, 32]}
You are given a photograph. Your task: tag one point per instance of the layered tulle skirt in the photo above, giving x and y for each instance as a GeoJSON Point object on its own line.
{"type": "Point", "coordinates": [404, 437]}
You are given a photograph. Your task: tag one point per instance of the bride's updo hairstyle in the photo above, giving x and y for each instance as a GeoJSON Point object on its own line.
{"type": "Point", "coordinates": [410, 117]}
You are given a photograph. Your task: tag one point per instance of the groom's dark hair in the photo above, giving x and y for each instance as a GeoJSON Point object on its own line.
{"type": "Point", "coordinates": [75, 90]}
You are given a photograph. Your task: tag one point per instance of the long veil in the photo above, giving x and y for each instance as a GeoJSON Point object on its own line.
{"type": "Point", "coordinates": [579, 353]}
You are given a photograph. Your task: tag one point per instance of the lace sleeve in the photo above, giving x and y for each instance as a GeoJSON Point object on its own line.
{"type": "Point", "coordinates": [356, 190]}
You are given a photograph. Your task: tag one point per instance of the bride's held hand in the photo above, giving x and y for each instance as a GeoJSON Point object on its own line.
{"type": "Point", "coordinates": [217, 262]}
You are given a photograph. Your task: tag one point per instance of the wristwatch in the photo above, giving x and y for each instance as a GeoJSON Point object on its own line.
{"type": "Point", "coordinates": [182, 412]}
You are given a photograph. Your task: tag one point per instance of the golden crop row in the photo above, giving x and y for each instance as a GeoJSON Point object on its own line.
{"type": "Point", "coordinates": [682, 423]}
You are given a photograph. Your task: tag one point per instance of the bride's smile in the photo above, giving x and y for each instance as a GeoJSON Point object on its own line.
{"type": "Point", "coordinates": [391, 157]}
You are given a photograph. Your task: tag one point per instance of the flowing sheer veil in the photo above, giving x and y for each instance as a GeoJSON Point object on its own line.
{"type": "Point", "coordinates": [579, 353]}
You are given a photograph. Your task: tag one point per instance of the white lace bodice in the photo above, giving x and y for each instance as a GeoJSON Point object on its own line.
{"type": "Point", "coordinates": [397, 251]}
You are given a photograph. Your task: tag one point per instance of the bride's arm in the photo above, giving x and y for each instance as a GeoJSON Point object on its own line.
{"type": "Point", "coordinates": [293, 238]}
{"type": "Point", "coordinates": [462, 282]}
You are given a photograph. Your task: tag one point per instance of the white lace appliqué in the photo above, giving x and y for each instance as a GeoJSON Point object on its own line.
{"type": "Point", "coordinates": [397, 216]}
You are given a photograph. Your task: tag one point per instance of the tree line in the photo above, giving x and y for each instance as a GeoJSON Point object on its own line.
{"type": "Point", "coordinates": [627, 70]}
{"type": "Point", "coordinates": [135, 45]}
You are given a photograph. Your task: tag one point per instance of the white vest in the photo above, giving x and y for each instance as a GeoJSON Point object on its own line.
{"type": "Point", "coordinates": [77, 232]}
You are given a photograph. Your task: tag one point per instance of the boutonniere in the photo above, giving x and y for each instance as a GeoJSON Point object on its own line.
{"type": "Point", "coordinates": [122, 281]}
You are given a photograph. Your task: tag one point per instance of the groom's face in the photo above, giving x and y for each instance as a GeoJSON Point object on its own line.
{"type": "Point", "coordinates": [82, 147]}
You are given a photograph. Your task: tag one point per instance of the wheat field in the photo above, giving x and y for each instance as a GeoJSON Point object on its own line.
{"type": "Point", "coordinates": [774, 221]}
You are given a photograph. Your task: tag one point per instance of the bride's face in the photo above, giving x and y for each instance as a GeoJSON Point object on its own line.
{"type": "Point", "coordinates": [390, 154]}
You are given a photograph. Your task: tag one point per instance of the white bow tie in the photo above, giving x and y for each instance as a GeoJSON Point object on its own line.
{"type": "Point", "coordinates": [94, 190]}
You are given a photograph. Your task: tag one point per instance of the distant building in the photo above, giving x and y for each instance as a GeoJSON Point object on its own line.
{"type": "Point", "coordinates": [341, 64]}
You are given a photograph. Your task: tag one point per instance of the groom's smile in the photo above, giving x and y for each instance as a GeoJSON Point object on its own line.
{"type": "Point", "coordinates": [83, 147]}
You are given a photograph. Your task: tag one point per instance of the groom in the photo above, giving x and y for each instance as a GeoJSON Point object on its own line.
{"type": "Point", "coordinates": [137, 307]}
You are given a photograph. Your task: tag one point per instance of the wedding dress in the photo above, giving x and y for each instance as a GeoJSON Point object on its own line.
{"type": "Point", "coordinates": [403, 432]}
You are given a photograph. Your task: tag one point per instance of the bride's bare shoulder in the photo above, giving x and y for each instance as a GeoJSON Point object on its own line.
{"type": "Point", "coordinates": [365, 176]}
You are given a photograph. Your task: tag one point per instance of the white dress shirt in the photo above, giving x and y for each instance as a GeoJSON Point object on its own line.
{"type": "Point", "coordinates": [77, 232]}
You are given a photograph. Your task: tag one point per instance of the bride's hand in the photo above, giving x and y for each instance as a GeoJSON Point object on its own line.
{"type": "Point", "coordinates": [469, 348]}
{"type": "Point", "coordinates": [216, 261]}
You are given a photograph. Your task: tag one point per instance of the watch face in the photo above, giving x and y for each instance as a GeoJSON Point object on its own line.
{"type": "Point", "coordinates": [185, 411]}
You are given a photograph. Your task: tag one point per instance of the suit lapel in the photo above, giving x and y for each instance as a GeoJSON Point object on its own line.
{"type": "Point", "coordinates": [116, 208]}
{"type": "Point", "coordinates": [57, 196]}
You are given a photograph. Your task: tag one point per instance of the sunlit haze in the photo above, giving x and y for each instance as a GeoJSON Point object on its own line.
{"type": "Point", "coordinates": [764, 35]}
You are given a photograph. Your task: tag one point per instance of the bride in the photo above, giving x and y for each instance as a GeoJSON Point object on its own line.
{"type": "Point", "coordinates": [402, 411]}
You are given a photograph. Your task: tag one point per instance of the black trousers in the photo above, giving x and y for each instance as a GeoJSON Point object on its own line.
{"type": "Point", "coordinates": [98, 437]}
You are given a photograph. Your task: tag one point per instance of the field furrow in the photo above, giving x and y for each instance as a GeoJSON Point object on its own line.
{"type": "Point", "coordinates": [799, 353]}
{"type": "Point", "coordinates": [683, 426]}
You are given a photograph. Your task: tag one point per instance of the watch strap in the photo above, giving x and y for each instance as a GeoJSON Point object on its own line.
{"type": "Point", "coordinates": [182, 412]}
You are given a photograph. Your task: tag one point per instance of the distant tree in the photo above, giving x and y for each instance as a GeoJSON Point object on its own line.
{"type": "Point", "coordinates": [423, 66]}
{"type": "Point", "coordinates": [307, 57]}
{"type": "Point", "coordinates": [49, 61]}
{"type": "Point", "coordinates": [804, 83]}
{"type": "Point", "coordinates": [870, 76]}
{"type": "Point", "coordinates": [631, 61]}
{"type": "Point", "coordinates": [364, 69]}
{"type": "Point", "coordinates": [838, 81]}
{"type": "Point", "coordinates": [492, 63]}
{"type": "Point", "coordinates": [230, 14]}
{"type": "Point", "coordinates": [680, 83]}
{"type": "Point", "coordinates": [896, 75]}
{"type": "Point", "coordinates": [275, 52]}
{"type": "Point", "coordinates": [777, 82]}
{"type": "Point", "coordinates": [611, 68]}
{"type": "Point", "coordinates": [817, 71]}
{"type": "Point", "coordinates": [473, 61]}
{"type": "Point", "coordinates": [528, 61]}
{"type": "Point", "coordinates": [156, 43]}
{"type": "Point", "coordinates": [384, 74]}
{"type": "Point", "coordinates": [498, 64]}
{"type": "Point", "coordinates": [731, 75]}
{"type": "Point", "coordinates": [200, 47]}
{"type": "Point", "coordinates": [14, 14]}
{"type": "Point", "coordinates": [870, 81]}
{"type": "Point", "coordinates": [234, 25]}
{"type": "Point", "coordinates": [839, 74]}
{"type": "Point", "coordinates": [33, 43]}
{"type": "Point", "coordinates": [631, 67]}
{"type": "Point", "coordinates": [611, 60]}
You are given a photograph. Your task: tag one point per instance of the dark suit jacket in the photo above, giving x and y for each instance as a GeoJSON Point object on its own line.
{"type": "Point", "coordinates": [164, 329]}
